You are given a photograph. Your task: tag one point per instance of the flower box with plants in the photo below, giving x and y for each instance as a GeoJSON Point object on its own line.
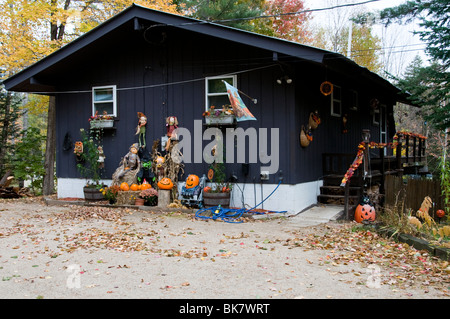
{"type": "Point", "coordinates": [101, 121]}
{"type": "Point", "coordinates": [219, 116]}
{"type": "Point", "coordinates": [150, 196]}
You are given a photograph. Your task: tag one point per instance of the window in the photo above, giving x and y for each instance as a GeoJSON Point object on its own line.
{"type": "Point", "coordinates": [336, 101]}
{"type": "Point", "coordinates": [216, 91]}
{"type": "Point", "coordinates": [104, 99]}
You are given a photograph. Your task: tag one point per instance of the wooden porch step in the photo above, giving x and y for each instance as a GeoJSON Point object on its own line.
{"type": "Point", "coordinates": [337, 199]}
{"type": "Point", "coordinates": [338, 190]}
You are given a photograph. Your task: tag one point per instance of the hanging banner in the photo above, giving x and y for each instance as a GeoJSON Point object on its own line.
{"type": "Point", "coordinates": [241, 111]}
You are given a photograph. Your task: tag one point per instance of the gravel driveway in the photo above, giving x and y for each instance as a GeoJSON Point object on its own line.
{"type": "Point", "coordinates": [95, 252]}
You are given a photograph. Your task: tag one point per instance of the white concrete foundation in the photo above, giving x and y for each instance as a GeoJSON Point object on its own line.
{"type": "Point", "coordinates": [290, 198]}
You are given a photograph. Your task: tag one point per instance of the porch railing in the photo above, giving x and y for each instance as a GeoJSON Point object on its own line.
{"type": "Point", "coordinates": [408, 151]}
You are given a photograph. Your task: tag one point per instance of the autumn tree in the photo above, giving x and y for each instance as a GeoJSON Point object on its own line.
{"type": "Point", "coordinates": [31, 30]}
{"type": "Point", "coordinates": [286, 22]}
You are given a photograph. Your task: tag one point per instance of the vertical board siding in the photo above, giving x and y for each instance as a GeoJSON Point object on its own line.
{"type": "Point", "coordinates": [130, 61]}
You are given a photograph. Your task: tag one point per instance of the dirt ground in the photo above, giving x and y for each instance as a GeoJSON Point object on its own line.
{"type": "Point", "coordinates": [94, 252]}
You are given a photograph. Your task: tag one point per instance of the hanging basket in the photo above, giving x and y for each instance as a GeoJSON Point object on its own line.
{"type": "Point", "coordinates": [314, 120]}
{"type": "Point", "coordinates": [304, 141]}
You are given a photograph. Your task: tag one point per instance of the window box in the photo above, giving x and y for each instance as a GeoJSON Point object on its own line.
{"type": "Point", "coordinates": [223, 119]}
{"type": "Point", "coordinates": [101, 124]}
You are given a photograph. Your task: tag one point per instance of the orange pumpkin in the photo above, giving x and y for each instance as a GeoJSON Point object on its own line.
{"type": "Point", "coordinates": [145, 186]}
{"type": "Point", "coordinates": [364, 212]}
{"type": "Point", "coordinates": [124, 186]}
{"type": "Point", "coordinates": [440, 213]}
{"type": "Point", "coordinates": [192, 181]}
{"type": "Point", "coordinates": [165, 183]}
{"type": "Point", "coordinates": [206, 189]}
{"type": "Point", "coordinates": [135, 187]}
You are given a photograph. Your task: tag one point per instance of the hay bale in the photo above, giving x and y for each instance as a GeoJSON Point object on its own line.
{"type": "Point", "coordinates": [127, 198]}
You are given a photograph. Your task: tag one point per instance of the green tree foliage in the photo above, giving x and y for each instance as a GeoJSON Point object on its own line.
{"type": "Point", "coordinates": [28, 158]}
{"type": "Point", "coordinates": [233, 13]}
{"type": "Point", "coordinates": [9, 115]}
{"type": "Point", "coordinates": [430, 85]}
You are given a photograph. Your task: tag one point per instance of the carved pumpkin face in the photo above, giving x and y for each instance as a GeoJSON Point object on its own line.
{"type": "Point", "coordinates": [165, 183]}
{"type": "Point", "coordinates": [192, 181]}
{"type": "Point", "coordinates": [364, 212]}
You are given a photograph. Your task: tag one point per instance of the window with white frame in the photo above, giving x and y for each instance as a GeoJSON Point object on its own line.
{"type": "Point", "coordinates": [216, 91]}
{"type": "Point", "coordinates": [336, 101]}
{"type": "Point", "coordinates": [104, 100]}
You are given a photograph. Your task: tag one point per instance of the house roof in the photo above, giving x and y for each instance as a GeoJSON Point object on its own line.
{"type": "Point", "coordinates": [27, 79]}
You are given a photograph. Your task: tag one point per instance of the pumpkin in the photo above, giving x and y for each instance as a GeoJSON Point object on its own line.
{"type": "Point", "coordinates": [135, 187]}
{"type": "Point", "coordinates": [165, 183]}
{"type": "Point", "coordinates": [192, 181]}
{"type": "Point", "coordinates": [145, 186]}
{"type": "Point", "coordinates": [440, 213]}
{"type": "Point", "coordinates": [364, 212]}
{"type": "Point", "coordinates": [207, 189]}
{"type": "Point", "coordinates": [124, 186]}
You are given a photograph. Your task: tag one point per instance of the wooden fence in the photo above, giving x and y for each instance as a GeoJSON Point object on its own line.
{"type": "Point", "coordinates": [413, 192]}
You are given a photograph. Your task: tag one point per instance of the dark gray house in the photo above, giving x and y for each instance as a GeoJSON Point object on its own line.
{"type": "Point", "coordinates": [163, 65]}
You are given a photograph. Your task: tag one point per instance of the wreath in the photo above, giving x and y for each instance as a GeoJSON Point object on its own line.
{"type": "Point", "coordinates": [326, 88]}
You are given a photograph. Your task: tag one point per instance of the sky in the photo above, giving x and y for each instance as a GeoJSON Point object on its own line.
{"type": "Point", "coordinates": [399, 44]}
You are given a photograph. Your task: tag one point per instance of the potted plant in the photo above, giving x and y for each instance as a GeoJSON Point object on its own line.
{"type": "Point", "coordinates": [219, 116]}
{"type": "Point", "coordinates": [220, 191]}
{"type": "Point", "coordinates": [89, 167]}
{"type": "Point", "coordinates": [101, 121]}
{"type": "Point", "coordinates": [150, 196]}
{"type": "Point", "coordinates": [110, 193]}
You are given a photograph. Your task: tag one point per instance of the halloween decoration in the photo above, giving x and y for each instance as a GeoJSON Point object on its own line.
{"type": "Point", "coordinates": [422, 213]}
{"type": "Point", "coordinates": [101, 157]}
{"type": "Point", "coordinates": [145, 174]}
{"type": "Point", "coordinates": [135, 187]}
{"type": "Point", "coordinates": [344, 124]}
{"type": "Point", "coordinates": [305, 137]}
{"type": "Point", "coordinates": [67, 143]}
{"type": "Point", "coordinates": [192, 193]}
{"type": "Point", "coordinates": [145, 185]}
{"type": "Point", "coordinates": [172, 125]}
{"type": "Point", "coordinates": [314, 119]}
{"type": "Point", "coordinates": [165, 183]}
{"type": "Point", "coordinates": [128, 168]}
{"type": "Point", "coordinates": [78, 151]}
{"type": "Point", "coordinates": [326, 88]}
{"type": "Point", "coordinates": [365, 212]}
{"type": "Point", "coordinates": [192, 181]}
{"type": "Point", "coordinates": [440, 213]}
{"type": "Point", "coordinates": [141, 128]}
{"type": "Point", "coordinates": [124, 186]}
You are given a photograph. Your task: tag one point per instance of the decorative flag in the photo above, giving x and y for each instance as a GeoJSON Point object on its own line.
{"type": "Point", "coordinates": [241, 111]}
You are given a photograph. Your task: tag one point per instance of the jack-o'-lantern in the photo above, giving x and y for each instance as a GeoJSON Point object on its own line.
{"type": "Point", "coordinates": [440, 213]}
{"type": "Point", "coordinates": [364, 211]}
{"type": "Point", "coordinates": [124, 186]}
{"type": "Point", "coordinates": [165, 183]}
{"type": "Point", "coordinates": [192, 181]}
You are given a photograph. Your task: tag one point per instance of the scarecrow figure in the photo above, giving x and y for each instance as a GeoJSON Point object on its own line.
{"type": "Point", "coordinates": [141, 128]}
{"type": "Point", "coordinates": [128, 168]}
{"type": "Point", "coordinates": [172, 125]}
{"type": "Point", "coordinates": [101, 157]}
